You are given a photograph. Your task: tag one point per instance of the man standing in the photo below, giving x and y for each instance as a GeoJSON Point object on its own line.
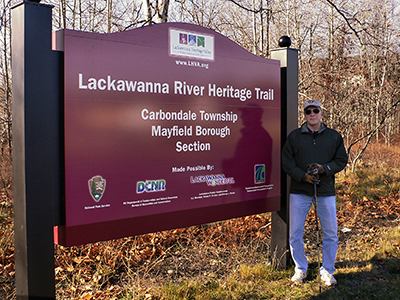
{"type": "Point", "coordinates": [313, 149]}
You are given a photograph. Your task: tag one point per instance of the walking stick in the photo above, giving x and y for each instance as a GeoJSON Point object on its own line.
{"type": "Point", "coordinates": [318, 245]}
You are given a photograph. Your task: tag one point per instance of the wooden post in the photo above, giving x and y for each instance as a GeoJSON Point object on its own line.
{"type": "Point", "coordinates": [36, 149]}
{"type": "Point", "coordinates": [289, 121]}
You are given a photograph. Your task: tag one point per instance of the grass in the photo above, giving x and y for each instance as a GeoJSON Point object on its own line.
{"type": "Point", "coordinates": [7, 270]}
{"type": "Point", "coordinates": [367, 183]}
{"type": "Point", "coordinates": [370, 272]}
{"type": "Point", "coordinates": [232, 259]}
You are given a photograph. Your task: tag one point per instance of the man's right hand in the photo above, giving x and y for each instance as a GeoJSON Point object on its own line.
{"type": "Point", "coordinates": [313, 179]}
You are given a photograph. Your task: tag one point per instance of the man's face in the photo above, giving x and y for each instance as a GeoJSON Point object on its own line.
{"type": "Point", "coordinates": [313, 115]}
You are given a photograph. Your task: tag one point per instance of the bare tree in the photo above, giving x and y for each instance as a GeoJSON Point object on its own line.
{"type": "Point", "coordinates": [5, 85]}
{"type": "Point", "coordinates": [157, 10]}
{"type": "Point", "coordinates": [348, 51]}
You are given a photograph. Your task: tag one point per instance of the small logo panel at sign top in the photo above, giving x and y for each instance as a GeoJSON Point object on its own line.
{"type": "Point", "coordinates": [191, 44]}
{"type": "Point", "coordinates": [97, 186]}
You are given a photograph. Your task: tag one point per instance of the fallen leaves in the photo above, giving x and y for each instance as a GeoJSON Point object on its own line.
{"type": "Point", "coordinates": [93, 269]}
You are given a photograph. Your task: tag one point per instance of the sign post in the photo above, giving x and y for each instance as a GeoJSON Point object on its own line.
{"type": "Point", "coordinates": [36, 148]}
{"type": "Point", "coordinates": [289, 119]}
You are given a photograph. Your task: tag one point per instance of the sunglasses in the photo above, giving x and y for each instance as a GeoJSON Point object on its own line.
{"type": "Point", "coordinates": [315, 110]}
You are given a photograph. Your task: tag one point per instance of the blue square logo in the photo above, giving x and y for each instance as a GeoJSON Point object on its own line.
{"type": "Point", "coordinates": [259, 173]}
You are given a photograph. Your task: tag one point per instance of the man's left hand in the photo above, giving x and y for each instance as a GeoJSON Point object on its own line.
{"type": "Point", "coordinates": [310, 178]}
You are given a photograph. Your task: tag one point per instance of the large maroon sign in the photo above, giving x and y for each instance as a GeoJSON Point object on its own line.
{"type": "Point", "coordinates": [166, 126]}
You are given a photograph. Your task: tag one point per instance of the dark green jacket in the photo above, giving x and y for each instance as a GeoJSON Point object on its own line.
{"type": "Point", "coordinates": [302, 148]}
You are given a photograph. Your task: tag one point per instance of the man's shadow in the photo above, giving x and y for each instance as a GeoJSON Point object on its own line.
{"type": "Point", "coordinates": [251, 163]}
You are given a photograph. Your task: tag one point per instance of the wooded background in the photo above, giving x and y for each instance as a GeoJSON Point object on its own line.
{"type": "Point", "coordinates": [348, 51]}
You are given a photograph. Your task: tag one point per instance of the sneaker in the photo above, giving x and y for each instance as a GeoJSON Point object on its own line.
{"type": "Point", "coordinates": [327, 278]}
{"type": "Point", "coordinates": [299, 276]}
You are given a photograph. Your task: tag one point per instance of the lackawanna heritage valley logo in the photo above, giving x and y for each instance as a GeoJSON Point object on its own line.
{"type": "Point", "coordinates": [191, 40]}
{"type": "Point", "coordinates": [97, 186]}
{"type": "Point", "coordinates": [191, 44]}
{"type": "Point", "coordinates": [259, 173]}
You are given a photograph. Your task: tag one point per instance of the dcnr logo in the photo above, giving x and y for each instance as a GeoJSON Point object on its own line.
{"type": "Point", "coordinates": [150, 186]}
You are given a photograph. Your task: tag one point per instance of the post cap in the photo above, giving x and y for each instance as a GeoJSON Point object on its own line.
{"type": "Point", "coordinates": [284, 41]}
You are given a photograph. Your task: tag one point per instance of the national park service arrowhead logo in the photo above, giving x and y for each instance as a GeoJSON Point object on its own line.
{"type": "Point", "coordinates": [97, 186]}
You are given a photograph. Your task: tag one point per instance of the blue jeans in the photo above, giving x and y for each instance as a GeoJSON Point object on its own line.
{"type": "Point", "coordinates": [299, 207]}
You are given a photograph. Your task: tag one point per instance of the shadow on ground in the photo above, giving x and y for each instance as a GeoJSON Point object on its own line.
{"type": "Point", "coordinates": [378, 279]}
